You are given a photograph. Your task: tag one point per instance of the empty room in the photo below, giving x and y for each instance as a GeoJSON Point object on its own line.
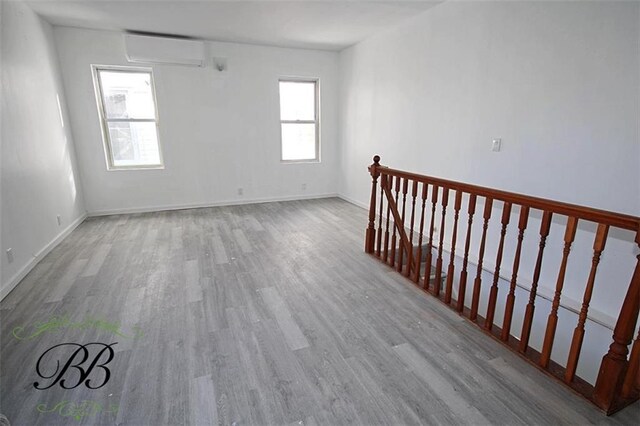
{"type": "Point", "coordinates": [319, 212]}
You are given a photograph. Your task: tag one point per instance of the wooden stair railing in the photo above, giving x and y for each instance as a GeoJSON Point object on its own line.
{"type": "Point", "coordinates": [404, 248]}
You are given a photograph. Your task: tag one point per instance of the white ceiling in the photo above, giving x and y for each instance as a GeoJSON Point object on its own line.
{"type": "Point", "coordinates": [328, 25]}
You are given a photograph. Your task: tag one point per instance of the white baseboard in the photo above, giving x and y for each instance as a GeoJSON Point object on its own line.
{"type": "Point", "coordinates": [352, 201]}
{"type": "Point", "coordinates": [149, 209]}
{"type": "Point", "coordinates": [13, 281]}
{"type": "Point", "coordinates": [524, 283]}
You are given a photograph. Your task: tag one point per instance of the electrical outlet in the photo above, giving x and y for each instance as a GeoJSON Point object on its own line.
{"type": "Point", "coordinates": [303, 186]}
{"type": "Point", "coordinates": [240, 191]}
{"type": "Point", "coordinates": [59, 220]}
{"type": "Point", "coordinates": [10, 255]}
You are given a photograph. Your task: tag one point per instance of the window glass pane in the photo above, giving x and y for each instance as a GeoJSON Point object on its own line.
{"type": "Point", "coordinates": [134, 144]}
{"type": "Point", "coordinates": [127, 94]}
{"type": "Point", "coordinates": [298, 141]}
{"type": "Point", "coordinates": [297, 100]}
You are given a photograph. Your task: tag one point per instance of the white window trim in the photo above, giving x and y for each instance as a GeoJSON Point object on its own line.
{"type": "Point", "coordinates": [102, 116]}
{"type": "Point", "coordinates": [316, 82]}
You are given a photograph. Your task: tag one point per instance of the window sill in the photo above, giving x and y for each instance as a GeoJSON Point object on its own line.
{"type": "Point", "coordinates": [300, 161]}
{"type": "Point", "coordinates": [134, 168]}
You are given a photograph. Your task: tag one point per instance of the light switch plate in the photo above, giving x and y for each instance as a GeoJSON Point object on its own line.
{"type": "Point", "coordinates": [496, 145]}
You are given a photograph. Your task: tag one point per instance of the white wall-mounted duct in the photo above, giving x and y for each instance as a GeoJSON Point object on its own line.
{"type": "Point", "coordinates": [164, 50]}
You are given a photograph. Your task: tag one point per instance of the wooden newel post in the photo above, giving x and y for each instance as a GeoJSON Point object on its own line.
{"type": "Point", "coordinates": [614, 364]}
{"type": "Point", "coordinates": [371, 230]}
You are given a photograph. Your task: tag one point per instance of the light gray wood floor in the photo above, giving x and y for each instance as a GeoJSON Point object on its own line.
{"type": "Point", "coordinates": [262, 314]}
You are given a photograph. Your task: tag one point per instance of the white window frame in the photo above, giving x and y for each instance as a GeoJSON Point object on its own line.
{"type": "Point", "coordinates": [106, 140]}
{"type": "Point", "coordinates": [316, 121]}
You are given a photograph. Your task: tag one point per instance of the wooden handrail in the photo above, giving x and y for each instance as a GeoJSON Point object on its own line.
{"type": "Point", "coordinates": [618, 381]}
{"type": "Point", "coordinates": [619, 220]}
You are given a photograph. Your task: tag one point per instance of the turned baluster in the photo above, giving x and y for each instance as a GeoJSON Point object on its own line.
{"type": "Point", "coordinates": [414, 194]}
{"type": "Point", "coordinates": [475, 301]}
{"type": "Point", "coordinates": [456, 213]}
{"type": "Point", "coordinates": [387, 182]}
{"type": "Point", "coordinates": [445, 202]}
{"type": "Point", "coordinates": [578, 333]}
{"type": "Point", "coordinates": [405, 187]}
{"type": "Point", "coordinates": [427, 266]}
{"type": "Point", "coordinates": [493, 293]}
{"type": "Point", "coordinates": [371, 230]}
{"type": "Point", "coordinates": [545, 226]}
{"type": "Point", "coordinates": [467, 244]}
{"type": "Point", "coordinates": [379, 233]}
{"type": "Point", "coordinates": [511, 297]}
{"type": "Point", "coordinates": [615, 366]}
{"type": "Point", "coordinates": [416, 277]}
{"type": "Point", "coordinates": [395, 225]}
{"type": "Point", "coordinates": [552, 322]}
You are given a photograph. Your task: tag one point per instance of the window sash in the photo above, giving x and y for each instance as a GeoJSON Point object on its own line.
{"type": "Point", "coordinates": [315, 121]}
{"type": "Point", "coordinates": [104, 120]}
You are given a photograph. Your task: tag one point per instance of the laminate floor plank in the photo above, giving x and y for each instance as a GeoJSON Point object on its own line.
{"type": "Point", "coordinates": [96, 261]}
{"type": "Point", "coordinates": [462, 410]}
{"type": "Point", "coordinates": [264, 314]}
{"type": "Point", "coordinates": [203, 397]}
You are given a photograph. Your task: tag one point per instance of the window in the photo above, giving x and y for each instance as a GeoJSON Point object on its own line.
{"type": "Point", "coordinates": [299, 120]}
{"type": "Point", "coordinates": [126, 102]}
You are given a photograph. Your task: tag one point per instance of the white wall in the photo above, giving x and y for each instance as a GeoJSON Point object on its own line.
{"type": "Point", "coordinates": [218, 132]}
{"type": "Point", "coordinates": [559, 83]}
{"type": "Point", "coordinates": [39, 177]}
